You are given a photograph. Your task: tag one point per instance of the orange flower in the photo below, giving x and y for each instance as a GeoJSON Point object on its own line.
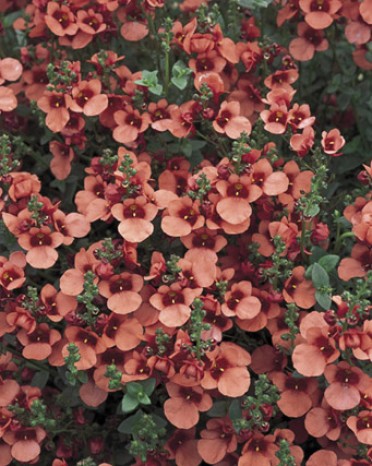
{"type": "Point", "coordinates": [326, 457]}
{"type": "Point", "coordinates": [302, 143]}
{"type": "Point", "coordinates": [88, 343]}
{"type": "Point", "coordinates": [332, 142]}
{"type": "Point", "coordinates": [237, 192]}
{"type": "Point", "coordinates": [12, 275]}
{"type": "Point", "coordinates": [311, 358]}
{"type": "Point", "coordinates": [72, 280]}
{"type": "Point", "coordinates": [124, 332]}
{"type": "Point", "coordinates": [130, 123]}
{"type": "Point", "coordinates": [25, 443]}
{"type": "Point", "coordinates": [299, 290]}
{"type": "Point", "coordinates": [182, 447]}
{"type": "Point", "coordinates": [60, 165]}
{"type": "Point", "coordinates": [55, 105]}
{"type": "Point", "coordinates": [346, 384]}
{"type": "Point", "coordinates": [295, 393]}
{"type": "Point", "coordinates": [361, 425]}
{"type": "Point", "coordinates": [323, 421]}
{"type": "Point", "coordinates": [275, 119]}
{"type": "Point", "coordinates": [229, 121]}
{"type": "Point", "coordinates": [135, 216]}
{"type": "Point", "coordinates": [319, 14]}
{"type": "Point", "coordinates": [174, 304]}
{"type": "Point", "coordinates": [227, 370]}
{"type": "Point", "coordinates": [239, 301]}
{"type": "Point", "coordinates": [190, 400]}
{"type": "Point", "coordinates": [182, 216]}
{"type": "Point", "coordinates": [122, 292]}
{"type": "Point", "coordinates": [71, 226]}
{"type": "Point", "coordinates": [56, 305]}
{"type": "Point", "coordinates": [8, 101]}
{"type": "Point", "coordinates": [309, 41]}
{"type": "Point", "coordinates": [60, 20]}
{"type": "Point", "coordinates": [38, 344]}
{"type": "Point", "coordinates": [272, 183]}
{"type": "Point", "coordinates": [87, 98]}
{"type": "Point", "coordinates": [217, 440]}
{"type": "Point", "coordinates": [258, 451]}
{"type": "Point", "coordinates": [40, 244]}
{"type": "Point", "coordinates": [10, 70]}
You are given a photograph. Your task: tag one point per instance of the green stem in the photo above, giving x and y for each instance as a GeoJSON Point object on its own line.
{"type": "Point", "coordinates": [339, 238]}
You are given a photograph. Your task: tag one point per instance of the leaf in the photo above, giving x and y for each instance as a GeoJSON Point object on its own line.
{"type": "Point", "coordinates": [219, 409]}
{"type": "Point", "coordinates": [319, 276]}
{"type": "Point", "coordinates": [329, 262]}
{"type": "Point", "coordinates": [180, 75]}
{"type": "Point", "coordinates": [323, 299]}
{"type": "Point", "coordinates": [40, 379]}
{"type": "Point", "coordinates": [148, 386]}
{"type": "Point", "coordinates": [235, 410]}
{"type": "Point", "coordinates": [133, 388]}
{"type": "Point", "coordinates": [143, 398]}
{"type": "Point", "coordinates": [126, 427]}
{"type": "Point", "coordinates": [129, 403]}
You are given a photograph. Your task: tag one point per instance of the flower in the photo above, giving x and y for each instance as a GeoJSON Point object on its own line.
{"type": "Point", "coordinates": [230, 122]}
{"type": "Point", "coordinates": [87, 98]}
{"type": "Point", "coordinates": [361, 425]}
{"type": "Point", "coordinates": [122, 292]}
{"type": "Point", "coordinates": [130, 123]}
{"type": "Point", "coordinates": [332, 142]}
{"type": "Point", "coordinates": [183, 400]}
{"type": "Point", "coordinates": [309, 41]}
{"type": "Point", "coordinates": [40, 244]}
{"type": "Point", "coordinates": [319, 14]}
{"type": "Point", "coordinates": [217, 439]}
{"type": "Point", "coordinates": [56, 105]}
{"type": "Point", "coordinates": [60, 20]}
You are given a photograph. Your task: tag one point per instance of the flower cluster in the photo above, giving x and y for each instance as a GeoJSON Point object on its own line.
{"type": "Point", "coordinates": [186, 259]}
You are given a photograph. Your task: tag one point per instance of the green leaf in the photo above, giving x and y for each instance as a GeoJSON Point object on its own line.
{"type": "Point", "coordinates": [235, 410]}
{"type": "Point", "coordinates": [143, 398]}
{"type": "Point", "coordinates": [219, 409]}
{"type": "Point", "coordinates": [319, 276]}
{"type": "Point", "coordinates": [312, 211]}
{"type": "Point", "coordinates": [40, 379]}
{"type": "Point", "coordinates": [132, 388]}
{"type": "Point", "coordinates": [180, 75]}
{"type": "Point", "coordinates": [329, 262]}
{"type": "Point", "coordinates": [129, 403]}
{"type": "Point", "coordinates": [126, 427]}
{"type": "Point", "coordinates": [148, 386]}
{"type": "Point", "coordinates": [150, 80]}
{"type": "Point", "coordinates": [323, 299]}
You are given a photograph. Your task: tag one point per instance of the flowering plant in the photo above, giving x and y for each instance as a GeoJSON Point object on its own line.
{"type": "Point", "coordinates": [186, 232]}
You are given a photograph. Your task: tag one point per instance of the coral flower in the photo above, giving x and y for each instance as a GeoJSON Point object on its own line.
{"type": "Point", "coordinates": [55, 105]}
{"type": "Point", "coordinates": [309, 41]}
{"type": "Point", "coordinates": [12, 275]}
{"type": "Point", "coordinates": [258, 451]}
{"type": "Point", "coordinates": [190, 400]}
{"type": "Point", "coordinates": [182, 216]}
{"type": "Point", "coordinates": [38, 344]}
{"type": "Point", "coordinates": [174, 304]}
{"type": "Point", "coordinates": [124, 332]}
{"type": "Point", "coordinates": [182, 447]}
{"type": "Point", "coordinates": [135, 216]}
{"type": "Point", "coordinates": [130, 123]}
{"type": "Point", "coordinates": [10, 70]}
{"type": "Point", "coordinates": [60, 20]}
{"type": "Point", "coordinates": [299, 290]}
{"type": "Point", "coordinates": [295, 393]}
{"type": "Point", "coordinates": [323, 421]}
{"type": "Point", "coordinates": [218, 439]}
{"type": "Point", "coordinates": [319, 14]}
{"type": "Point", "coordinates": [56, 305]}
{"type": "Point", "coordinates": [88, 98]}
{"type": "Point", "coordinates": [323, 457]}
{"type": "Point", "coordinates": [237, 193]}
{"type": "Point", "coordinates": [346, 384]}
{"type": "Point", "coordinates": [229, 121]}
{"type": "Point", "coordinates": [8, 101]}
{"type": "Point", "coordinates": [88, 343]}
{"type": "Point", "coordinates": [332, 142]}
{"type": "Point", "coordinates": [239, 302]}
{"type": "Point", "coordinates": [302, 143]}
{"type": "Point", "coordinates": [60, 165]}
{"type": "Point", "coordinates": [40, 244]}
{"type": "Point", "coordinates": [25, 443]}
{"type": "Point", "coordinates": [361, 425]}
{"type": "Point", "coordinates": [122, 292]}
{"type": "Point", "coordinates": [227, 370]}
{"type": "Point", "coordinates": [275, 119]}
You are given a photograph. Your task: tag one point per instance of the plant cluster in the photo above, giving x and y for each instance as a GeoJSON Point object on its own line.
{"type": "Point", "coordinates": [186, 232]}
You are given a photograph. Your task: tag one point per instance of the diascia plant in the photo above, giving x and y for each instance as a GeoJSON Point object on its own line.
{"type": "Point", "coordinates": [186, 233]}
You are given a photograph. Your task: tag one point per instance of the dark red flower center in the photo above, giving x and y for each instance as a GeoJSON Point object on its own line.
{"type": "Point", "coordinates": [9, 276]}
{"type": "Point", "coordinates": [40, 239]}
{"type": "Point", "coordinates": [134, 211]}
{"type": "Point", "coordinates": [173, 297]}
{"type": "Point", "coordinates": [364, 423]}
{"type": "Point", "coordinates": [63, 18]}
{"type": "Point", "coordinates": [237, 190]}
{"type": "Point", "coordinates": [347, 377]}
{"type": "Point", "coordinates": [319, 5]}
{"type": "Point", "coordinates": [219, 367]}
{"type": "Point", "coordinates": [204, 64]}
{"type": "Point", "coordinates": [83, 97]}
{"type": "Point", "coordinates": [57, 101]}
{"type": "Point", "coordinates": [133, 120]}
{"type": "Point", "coordinates": [224, 118]}
{"type": "Point", "coordinates": [121, 284]}
{"type": "Point", "coordinates": [299, 385]}
{"type": "Point", "coordinates": [203, 241]}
